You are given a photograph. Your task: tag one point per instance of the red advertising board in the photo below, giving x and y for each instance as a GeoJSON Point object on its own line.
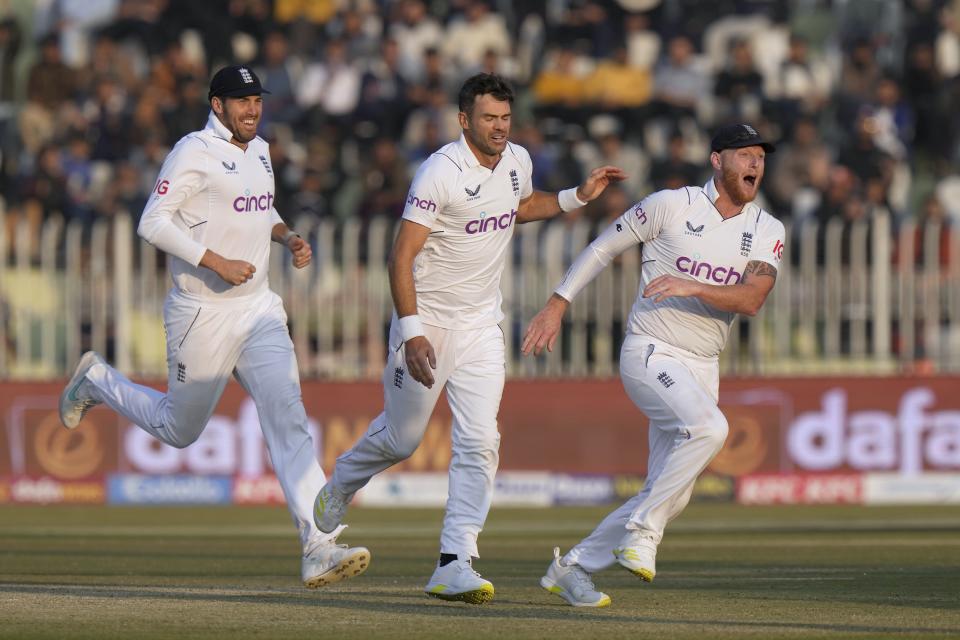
{"type": "Point", "coordinates": [787, 425]}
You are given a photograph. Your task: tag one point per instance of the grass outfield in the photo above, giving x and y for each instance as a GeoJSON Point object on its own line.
{"type": "Point", "coordinates": [724, 571]}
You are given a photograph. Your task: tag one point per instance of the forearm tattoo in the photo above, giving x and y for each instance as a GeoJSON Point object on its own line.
{"type": "Point", "coordinates": [760, 268]}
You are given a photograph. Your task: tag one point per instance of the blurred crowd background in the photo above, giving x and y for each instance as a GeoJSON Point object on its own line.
{"type": "Point", "coordinates": [862, 96]}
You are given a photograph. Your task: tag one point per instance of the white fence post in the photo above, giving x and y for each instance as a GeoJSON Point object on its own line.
{"type": "Point", "coordinates": [6, 313]}
{"type": "Point", "coordinates": [881, 289]}
{"type": "Point", "coordinates": [73, 295]}
{"type": "Point", "coordinates": [906, 297]}
{"type": "Point", "coordinates": [98, 284]}
{"type": "Point", "coordinates": [325, 292]}
{"type": "Point", "coordinates": [49, 242]}
{"type": "Point", "coordinates": [22, 325]}
{"type": "Point", "coordinates": [123, 240]}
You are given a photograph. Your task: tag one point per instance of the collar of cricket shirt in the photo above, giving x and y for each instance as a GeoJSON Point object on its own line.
{"type": "Point", "coordinates": [466, 152]}
{"type": "Point", "coordinates": [219, 129]}
{"type": "Point", "coordinates": [710, 189]}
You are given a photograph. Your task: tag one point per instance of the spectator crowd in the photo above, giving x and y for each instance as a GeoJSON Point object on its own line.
{"type": "Point", "coordinates": [862, 96]}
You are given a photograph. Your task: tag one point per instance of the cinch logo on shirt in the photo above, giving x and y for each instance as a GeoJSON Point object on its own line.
{"type": "Point", "coordinates": [705, 270]}
{"type": "Point", "coordinates": [493, 223]}
{"type": "Point", "coordinates": [426, 205]}
{"type": "Point", "coordinates": [253, 203]}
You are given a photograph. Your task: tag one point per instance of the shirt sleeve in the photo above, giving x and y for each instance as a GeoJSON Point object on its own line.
{"type": "Point", "coordinates": [427, 196]}
{"type": "Point", "coordinates": [646, 218]}
{"type": "Point", "coordinates": [526, 166]}
{"type": "Point", "coordinates": [640, 223]}
{"type": "Point", "coordinates": [182, 175]}
{"type": "Point", "coordinates": [275, 218]}
{"type": "Point", "coordinates": [770, 245]}
{"type": "Point", "coordinates": [614, 240]}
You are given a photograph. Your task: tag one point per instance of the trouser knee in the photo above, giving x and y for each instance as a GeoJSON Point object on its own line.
{"type": "Point", "coordinates": [401, 446]}
{"type": "Point", "coordinates": [184, 427]}
{"type": "Point", "coordinates": [715, 429]}
{"type": "Point", "coordinates": [182, 440]}
{"type": "Point", "coordinates": [479, 447]}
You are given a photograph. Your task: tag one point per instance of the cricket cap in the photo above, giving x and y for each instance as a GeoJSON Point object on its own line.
{"type": "Point", "coordinates": [235, 81]}
{"type": "Point", "coordinates": [737, 136]}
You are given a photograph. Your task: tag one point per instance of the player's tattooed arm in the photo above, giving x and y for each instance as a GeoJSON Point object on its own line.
{"type": "Point", "coordinates": [753, 289]}
{"type": "Point", "coordinates": [756, 268]}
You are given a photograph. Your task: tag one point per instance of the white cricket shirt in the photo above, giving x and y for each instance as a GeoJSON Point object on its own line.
{"type": "Point", "coordinates": [684, 235]}
{"type": "Point", "coordinates": [211, 194]}
{"type": "Point", "coordinates": [471, 211]}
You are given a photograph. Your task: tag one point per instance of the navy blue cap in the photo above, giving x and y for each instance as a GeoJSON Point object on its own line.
{"type": "Point", "coordinates": [737, 136]}
{"type": "Point", "coordinates": [235, 81]}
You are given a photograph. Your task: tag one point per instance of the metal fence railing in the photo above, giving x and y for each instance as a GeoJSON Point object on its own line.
{"type": "Point", "coordinates": [863, 298]}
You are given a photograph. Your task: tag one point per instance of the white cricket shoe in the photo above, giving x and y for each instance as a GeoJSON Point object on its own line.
{"type": "Point", "coordinates": [573, 584]}
{"type": "Point", "coordinates": [638, 554]}
{"type": "Point", "coordinates": [76, 400]}
{"type": "Point", "coordinates": [329, 562]}
{"type": "Point", "coordinates": [330, 507]}
{"type": "Point", "coordinates": [458, 581]}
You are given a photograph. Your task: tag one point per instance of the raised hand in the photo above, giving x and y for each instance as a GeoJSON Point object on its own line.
{"type": "Point", "coordinates": [598, 180]}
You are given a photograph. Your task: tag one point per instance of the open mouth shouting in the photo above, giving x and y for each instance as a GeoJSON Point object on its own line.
{"type": "Point", "coordinates": [742, 187]}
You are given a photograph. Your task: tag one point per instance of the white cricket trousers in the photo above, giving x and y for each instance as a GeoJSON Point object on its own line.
{"type": "Point", "coordinates": [678, 391]}
{"type": "Point", "coordinates": [207, 342]}
{"type": "Point", "coordinates": [471, 365]}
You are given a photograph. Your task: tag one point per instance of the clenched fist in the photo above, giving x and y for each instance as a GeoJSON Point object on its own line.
{"type": "Point", "coordinates": [302, 253]}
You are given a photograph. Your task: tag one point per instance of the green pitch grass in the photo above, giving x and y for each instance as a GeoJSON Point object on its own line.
{"type": "Point", "coordinates": [724, 571]}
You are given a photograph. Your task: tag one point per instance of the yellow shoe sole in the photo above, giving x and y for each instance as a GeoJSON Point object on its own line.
{"type": "Point", "coordinates": [644, 574]}
{"type": "Point", "coordinates": [482, 595]}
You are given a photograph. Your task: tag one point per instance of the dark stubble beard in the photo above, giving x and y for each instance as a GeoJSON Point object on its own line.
{"type": "Point", "coordinates": [228, 119]}
{"type": "Point", "coordinates": [482, 144]}
{"type": "Point", "coordinates": [239, 138]}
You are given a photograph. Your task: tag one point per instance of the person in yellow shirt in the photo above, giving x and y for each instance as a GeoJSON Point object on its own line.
{"type": "Point", "coordinates": [315, 11]}
{"type": "Point", "coordinates": [615, 84]}
{"type": "Point", "coordinates": [559, 89]}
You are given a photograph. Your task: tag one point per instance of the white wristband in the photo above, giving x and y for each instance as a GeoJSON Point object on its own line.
{"type": "Point", "coordinates": [568, 200]}
{"type": "Point", "coordinates": [290, 234]}
{"type": "Point", "coordinates": [410, 327]}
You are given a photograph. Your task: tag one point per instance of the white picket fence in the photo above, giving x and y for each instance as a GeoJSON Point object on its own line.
{"type": "Point", "coordinates": [103, 288]}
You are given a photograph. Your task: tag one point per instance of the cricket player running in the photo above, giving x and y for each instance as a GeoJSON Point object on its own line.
{"type": "Point", "coordinates": [445, 273]}
{"type": "Point", "coordinates": [708, 254]}
{"type": "Point", "coordinates": [212, 212]}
